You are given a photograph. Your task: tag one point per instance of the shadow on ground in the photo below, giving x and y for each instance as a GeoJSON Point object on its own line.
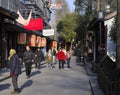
{"type": "Point", "coordinates": [26, 84]}
{"type": "Point", "coordinates": [4, 86]}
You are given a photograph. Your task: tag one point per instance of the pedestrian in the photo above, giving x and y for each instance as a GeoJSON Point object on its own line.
{"type": "Point", "coordinates": [49, 58]}
{"type": "Point", "coordinates": [61, 58]}
{"type": "Point", "coordinates": [69, 53]}
{"type": "Point", "coordinates": [38, 58]}
{"type": "Point", "coordinates": [15, 69]}
{"type": "Point", "coordinates": [28, 60]}
{"type": "Point", "coordinates": [54, 52]}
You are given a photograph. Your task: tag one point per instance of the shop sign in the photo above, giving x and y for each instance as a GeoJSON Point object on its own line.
{"type": "Point", "coordinates": [22, 38]}
{"type": "Point", "coordinates": [38, 41]}
{"type": "Point", "coordinates": [32, 40]}
{"type": "Point", "coordinates": [43, 41]}
{"type": "Point", "coordinates": [48, 32]}
{"type": "Point", "coordinates": [54, 44]}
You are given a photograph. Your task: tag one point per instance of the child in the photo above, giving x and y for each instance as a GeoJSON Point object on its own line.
{"type": "Point", "coordinates": [49, 58]}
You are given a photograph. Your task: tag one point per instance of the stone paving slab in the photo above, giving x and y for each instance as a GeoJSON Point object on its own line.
{"type": "Point", "coordinates": [73, 81]}
{"type": "Point", "coordinates": [5, 73]}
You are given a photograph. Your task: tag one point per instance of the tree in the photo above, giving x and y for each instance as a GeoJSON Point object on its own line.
{"type": "Point", "coordinates": [67, 26]}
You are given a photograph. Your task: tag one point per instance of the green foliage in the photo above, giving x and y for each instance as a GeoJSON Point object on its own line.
{"type": "Point", "coordinates": [81, 28]}
{"type": "Point", "coordinates": [113, 4]}
{"type": "Point", "coordinates": [67, 26]}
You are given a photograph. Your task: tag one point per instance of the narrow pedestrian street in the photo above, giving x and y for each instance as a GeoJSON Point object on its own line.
{"type": "Point", "coordinates": [52, 82]}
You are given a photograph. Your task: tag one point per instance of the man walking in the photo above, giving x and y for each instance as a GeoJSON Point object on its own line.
{"type": "Point", "coordinates": [38, 58]}
{"type": "Point", "coordinates": [28, 59]}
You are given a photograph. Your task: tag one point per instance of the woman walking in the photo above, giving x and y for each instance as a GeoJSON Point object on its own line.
{"type": "Point", "coordinates": [49, 58]}
{"type": "Point", "coordinates": [15, 69]}
{"type": "Point", "coordinates": [69, 53]}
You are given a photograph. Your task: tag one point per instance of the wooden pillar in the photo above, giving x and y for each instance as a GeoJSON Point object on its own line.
{"type": "Point", "coordinates": [3, 45]}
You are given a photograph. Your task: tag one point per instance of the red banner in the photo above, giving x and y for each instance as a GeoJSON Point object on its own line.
{"type": "Point", "coordinates": [35, 24]}
{"type": "Point", "coordinates": [22, 38]}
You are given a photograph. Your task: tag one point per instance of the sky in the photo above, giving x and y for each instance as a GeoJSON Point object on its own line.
{"type": "Point", "coordinates": [71, 5]}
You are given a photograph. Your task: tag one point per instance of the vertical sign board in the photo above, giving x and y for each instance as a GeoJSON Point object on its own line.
{"type": "Point", "coordinates": [32, 40]}
{"type": "Point", "coordinates": [38, 41]}
{"type": "Point", "coordinates": [21, 38]}
{"type": "Point", "coordinates": [54, 44]}
{"type": "Point", "coordinates": [43, 41]}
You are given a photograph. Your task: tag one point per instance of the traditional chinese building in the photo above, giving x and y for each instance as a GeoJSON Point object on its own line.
{"type": "Point", "coordinates": [13, 34]}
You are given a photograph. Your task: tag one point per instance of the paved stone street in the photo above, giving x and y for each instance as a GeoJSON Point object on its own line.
{"type": "Point", "coordinates": [52, 82]}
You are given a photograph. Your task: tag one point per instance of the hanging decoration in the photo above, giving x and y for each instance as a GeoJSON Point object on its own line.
{"type": "Point", "coordinates": [54, 44]}
{"type": "Point", "coordinates": [43, 42]}
{"type": "Point", "coordinates": [31, 40]}
{"type": "Point", "coordinates": [22, 38]}
{"type": "Point", "coordinates": [38, 41]}
{"type": "Point", "coordinates": [54, 6]}
{"type": "Point", "coordinates": [35, 24]}
{"type": "Point", "coordinates": [30, 23]}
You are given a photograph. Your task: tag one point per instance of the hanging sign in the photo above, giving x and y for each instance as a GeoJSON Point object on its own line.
{"type": "Point", "coordinates": [56, 6]}
{"type": "Point", "coordinates": [48, 32]}
{"type": "Point", "coordinates": [38, 41]}
{"type": "Point", "coordinates": [30, 23]}
{"type": "Point", "coordinates": [35, 24]}
{"type": "Point", "coordinates": [43, 42]}
{"type": "Point", "coordinates": [32, 40]}
{"type": "Point", "coordinates": [54, 44]}
{"type": "Point", "coordinates": [22, 38]}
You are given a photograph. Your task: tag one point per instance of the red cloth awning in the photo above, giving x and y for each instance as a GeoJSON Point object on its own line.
{"type": "Point", "coordinates": [35, 24]}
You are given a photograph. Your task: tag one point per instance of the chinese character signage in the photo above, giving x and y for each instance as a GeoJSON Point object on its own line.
{"type": "Point", "coordinates": [43, 42]}
{"type": "Point", "coordinates": [38, 41]}
{"type": "Point", "coordinates": [22, 38]}
{"type": "Point", "coordinates": [32, 40]}
{"type": "Point", "coordinates": [54, 44]}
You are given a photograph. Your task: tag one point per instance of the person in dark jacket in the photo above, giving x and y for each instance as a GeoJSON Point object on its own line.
{"type": "Point", "coordinates": [15, 69]}
{"type": "Point", "coordinates": [38, 58]}
{"type": "Point", "coordinates": [28, 59]}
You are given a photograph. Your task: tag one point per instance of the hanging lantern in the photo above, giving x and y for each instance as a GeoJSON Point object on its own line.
{"type": "Point", "coordinates": [43, 42]}
{"type": "Point", "coordinates": [22, 38]}
{"type": "Point", "coordinates": [38, 41]}
{"type": "Point", "coordinates": [32, 40]}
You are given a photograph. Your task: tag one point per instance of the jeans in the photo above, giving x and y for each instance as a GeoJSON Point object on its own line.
{"type": "Point", "coordinates": [50, 65]}
{"type": "Point", "coordinates": [68, 62]}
